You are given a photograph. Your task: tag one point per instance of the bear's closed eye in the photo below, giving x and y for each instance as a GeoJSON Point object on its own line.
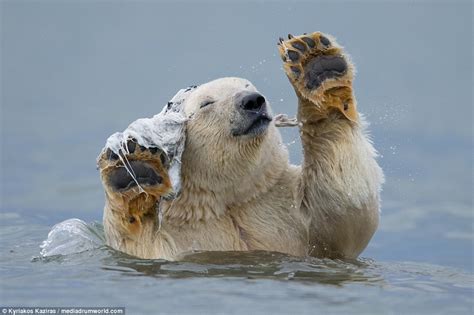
{"type": "Point", "coordinates": [207, 102]}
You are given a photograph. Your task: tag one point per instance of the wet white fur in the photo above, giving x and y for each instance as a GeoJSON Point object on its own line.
{"type": "Point", "coordinates": [241, 193]}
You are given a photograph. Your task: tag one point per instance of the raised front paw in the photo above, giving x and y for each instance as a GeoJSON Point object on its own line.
{"type": "Point", "coordinates": [135, 169]}
{"type": "Point", "coordinates": [320, 72]}
{"type": "Point", "coordinates": [135, 179]}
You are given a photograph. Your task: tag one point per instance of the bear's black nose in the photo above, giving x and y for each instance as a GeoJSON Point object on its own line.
{"type": "Point", "coordinates": [253, 102]}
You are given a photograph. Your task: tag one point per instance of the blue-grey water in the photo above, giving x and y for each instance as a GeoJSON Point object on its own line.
{"type": "Point", "coordinates": [73, 72]}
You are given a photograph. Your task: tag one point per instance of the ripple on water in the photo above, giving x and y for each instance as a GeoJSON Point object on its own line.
{"type": "Point", "coordinates": [74, 241]}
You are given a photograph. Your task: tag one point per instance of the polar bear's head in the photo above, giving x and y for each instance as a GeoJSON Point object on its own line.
{"type": "Point", "coordinates": [233, 148]}
{"type": "Point", "coordinates": [231, 109]}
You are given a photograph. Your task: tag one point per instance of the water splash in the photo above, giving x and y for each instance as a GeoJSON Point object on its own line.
{"type": "Point", "coordinates": [72, 236]}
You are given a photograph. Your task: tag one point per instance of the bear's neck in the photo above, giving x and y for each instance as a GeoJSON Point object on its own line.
{"type": "Point", "coordinates": [227, 178]}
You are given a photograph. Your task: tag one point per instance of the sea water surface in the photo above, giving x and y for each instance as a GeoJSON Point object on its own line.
{"type": "Point", "coordinates": [75, 72]}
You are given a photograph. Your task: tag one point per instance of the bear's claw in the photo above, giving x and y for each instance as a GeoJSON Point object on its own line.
{"type": "Point", "coordinates": [320, 72]}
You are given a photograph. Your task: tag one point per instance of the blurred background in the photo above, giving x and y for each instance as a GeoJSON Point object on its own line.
{"type": "Point", "coordinates": [74, 72]}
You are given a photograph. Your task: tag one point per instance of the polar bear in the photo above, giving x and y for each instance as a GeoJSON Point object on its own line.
{"type": "Point", "coordinates": [239, 191]}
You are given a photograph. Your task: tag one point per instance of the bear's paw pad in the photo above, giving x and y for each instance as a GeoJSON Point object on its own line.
{"type": "Point", "coordinates": [319, 71]}
{"type": "Point", "coordinates": [136, 168]}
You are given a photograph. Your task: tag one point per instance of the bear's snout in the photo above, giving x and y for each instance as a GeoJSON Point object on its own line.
{"type": "Point", "coordinates": [253, 102]}
{"type": "Point", "coordinates": [254, 115]}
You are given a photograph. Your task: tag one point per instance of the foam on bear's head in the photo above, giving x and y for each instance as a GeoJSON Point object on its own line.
{"type": "Point", "coordinates": [165, 131]}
